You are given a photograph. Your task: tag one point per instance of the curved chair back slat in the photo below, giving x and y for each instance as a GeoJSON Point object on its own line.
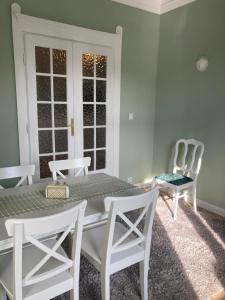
{"type": "Point", "coordinates": [145, 203]}
{"type": "Point", "coordinates": [79, 164]}
{"type": "Point", "coordinates": [187, 161]}
{"type": "Point", "coordinates": [28, 230]}
{"type": "Point", "coordinates": [25, 172]}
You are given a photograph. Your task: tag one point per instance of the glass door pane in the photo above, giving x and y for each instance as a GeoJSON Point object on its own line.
{"type": "Point", "coordinates": [52, 105]}
{"type": "Point", "coordinates": [94, 87]}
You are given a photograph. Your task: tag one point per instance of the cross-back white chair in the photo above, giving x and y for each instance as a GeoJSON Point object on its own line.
{"type": "Point", "coordinates": [42, 270]}
{"type": "Point", "coordinates": [186, 166]}
{"type": "Point", "coordinates": [25, 172]}
{"type": "Point", "coordinates": [114, 246]}
{"type": "Point", "coordinates": [80, 164]}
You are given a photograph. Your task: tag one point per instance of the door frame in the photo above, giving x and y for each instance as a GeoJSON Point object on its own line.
{"type": "Point", "coordinates": [24, 24]}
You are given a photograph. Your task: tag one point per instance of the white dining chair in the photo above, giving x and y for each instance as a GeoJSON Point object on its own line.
{"type": "Point", "coordinates": [186, 166]}
{"type": "Point", "coordinates": [115, 246]}
{"type": "Point", "coordinates": [25, 172]}
{"type": "Point", "coordinates": [42, 270]}
{"type": "Point", "coordinates": [79, 164]}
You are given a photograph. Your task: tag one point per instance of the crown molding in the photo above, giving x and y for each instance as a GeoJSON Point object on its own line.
{"type": "Point", "coordinates": [155, 6]}
{"type": "Point", "coordinates": [147, 5]}
{"type": "Point", "coordinates": [168, 5]}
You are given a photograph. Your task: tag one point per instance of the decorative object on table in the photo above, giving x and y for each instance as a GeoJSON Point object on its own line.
{"type": "Point", "coordinates": [186, 166]}
{"type": "Point", "coordinates": [57, 191]}
{"type": "Point", "coordinates": [202, 64]}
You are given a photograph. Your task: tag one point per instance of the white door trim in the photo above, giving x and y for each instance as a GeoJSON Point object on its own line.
{"type": "Point", "coordinates": [23, 24]}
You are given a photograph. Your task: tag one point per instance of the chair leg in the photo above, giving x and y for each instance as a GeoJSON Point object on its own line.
{"type": "Point", "coordinates": [186, 196]}
{"type": "Point", "coordinates": [176, 205]}
{"type": "Point", "coordinates": [105, 285]}
{"type": "Point", "coordinates": [74, 294]}
{"type": "Point", "coordinates": [144, 267]}
{"type": "Point", "coordinates": [2, 293]}
{"type": "Point", "coordinates": [194, 198]}
{"type": "Point", "coordinates": [173, 197]}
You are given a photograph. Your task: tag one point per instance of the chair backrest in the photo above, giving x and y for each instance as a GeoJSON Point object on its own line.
{"type": "Point", "coordinates": [27, 230]}
{"type": "Point", "coordinates": [144, 206]}
{"type": "Point", "coordinates": [25, 172]}
{"type": "Point", "coordinates": [188, 157]}
{"type": "Point", "coordinates": [81, 164]}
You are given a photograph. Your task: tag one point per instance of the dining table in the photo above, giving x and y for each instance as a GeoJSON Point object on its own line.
{"type": "Point", "coordinates": [30, 201]}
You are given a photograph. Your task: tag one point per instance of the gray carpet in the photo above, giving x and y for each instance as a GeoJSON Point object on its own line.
{"type": "Point", "coordinates": [187, 260]}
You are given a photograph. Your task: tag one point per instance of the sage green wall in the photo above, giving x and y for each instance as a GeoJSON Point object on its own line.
{"type": "Point", "coordinates": [190, 103]}
{"type": "Point", "coordinates": [139, 66]}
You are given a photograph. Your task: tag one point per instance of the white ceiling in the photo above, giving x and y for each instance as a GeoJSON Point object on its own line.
{"type": "Point", "coordinates": [155, 6]}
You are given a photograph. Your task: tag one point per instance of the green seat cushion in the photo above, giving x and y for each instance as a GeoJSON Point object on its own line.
{"type": "Point", "coordinates": [176, 179]}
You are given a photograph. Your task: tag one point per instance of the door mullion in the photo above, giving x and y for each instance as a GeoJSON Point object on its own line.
{"type": "Point", "coordinates": [52, 103]}
{"type": "Point", "coordinates": [94, 112]}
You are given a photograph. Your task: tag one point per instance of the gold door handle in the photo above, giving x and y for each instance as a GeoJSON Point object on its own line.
{"type": "Point", "coordinates": [71, 125]}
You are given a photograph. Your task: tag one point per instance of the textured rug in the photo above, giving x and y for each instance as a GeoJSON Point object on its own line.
{"type": "Point", "coordinates": [218, 296]}
{"type": "Point", "coordinates": [187, 260]}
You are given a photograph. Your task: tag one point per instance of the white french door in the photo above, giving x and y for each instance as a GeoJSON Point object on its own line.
{"type": "Point", "coordinates": [93, 81]}
{"type": "Point", "coordinates": [69, 88]}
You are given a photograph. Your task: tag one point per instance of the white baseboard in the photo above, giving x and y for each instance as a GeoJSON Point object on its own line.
{"type": "Point", "coordinates": [212, 208]}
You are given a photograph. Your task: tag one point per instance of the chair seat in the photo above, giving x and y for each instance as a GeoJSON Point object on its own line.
{"type": "Point", "coordinates": [31, 256]}
{"type": "Point", "coordinates": [174, 179]}
{"type": "Point", "coordinates": [92, 245]}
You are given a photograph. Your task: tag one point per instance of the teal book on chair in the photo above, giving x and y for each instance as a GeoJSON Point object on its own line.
{"type": "Point", "coordinates": [173, 178]}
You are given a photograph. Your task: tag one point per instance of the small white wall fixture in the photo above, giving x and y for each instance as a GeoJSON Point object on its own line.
{"type": "Point", "coordinates": [24, 24]}
{"type": "Point", "coordinates": [155, 6]}
{"type": "Point", "coordinates": [202, 64]}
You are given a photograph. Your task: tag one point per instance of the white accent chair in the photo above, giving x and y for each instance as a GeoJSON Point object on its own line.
{"type": "Point", "coordinates": [186, 166]}
{"type": "Point", "coordinates": [41, 269]}
{"type": "Point", "coordinates": [113, 247]}
{"type": "Point", "coordinates": [81, 164]}
{"type": "Point", "coordinates": [25, 172]}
